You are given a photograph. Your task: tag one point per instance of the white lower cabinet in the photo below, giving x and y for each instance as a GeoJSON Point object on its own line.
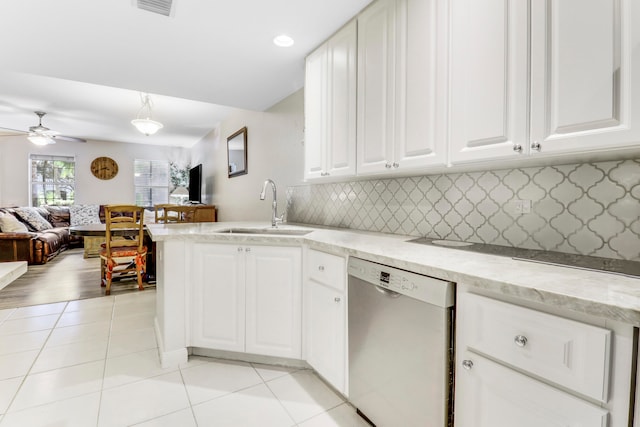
{"type": "Point", "coordinates": [518, 366]}
{"type": "Point", "coordinates": [489, 394]}
{"type": "Point", "coordinates": [274, 301]}
{"type": "Point", "coordinates": [218, 295]}
{"type": "Point", "coordinates": [325, 316]}
{"type": "Point", "coordinates": [247, 299]}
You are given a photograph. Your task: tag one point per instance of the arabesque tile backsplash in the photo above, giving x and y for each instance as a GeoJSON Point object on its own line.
{"type": "Point", "coordinates": [589, 209]}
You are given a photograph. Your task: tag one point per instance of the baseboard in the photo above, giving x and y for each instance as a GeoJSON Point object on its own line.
{"type": "Point", "coordinates": [171, 358]}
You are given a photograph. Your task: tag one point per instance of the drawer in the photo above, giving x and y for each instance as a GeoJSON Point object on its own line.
{"type": "Point", "coordinates": [327, 269]}
{"type": "Point", "coordinates": [569, 353]}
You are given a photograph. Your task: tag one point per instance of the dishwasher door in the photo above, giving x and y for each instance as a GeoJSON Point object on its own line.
{"type": "Point", "coordinates": [399, 357]}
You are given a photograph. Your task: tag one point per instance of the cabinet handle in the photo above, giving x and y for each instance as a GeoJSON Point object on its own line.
{"type": "Point", "coordinates": [324, 174]}
{"type": "Point", "coordinates": [520, 340]}
{"type": "Point", "coordinates": [337, 299]}
{"type": "Point", "coordinates": [536, 146]}
{"type": "Point", "coordinates": [239, 249]}
{"type": "Point", "coordinates": [321, 267]}
{"type": "Point", "coordinates": [387, 165]}
{"type": "Point", "coordinates": [248, 250]}
{"type": "Point", "coordinates": [467, 364]}
{"type": "Point", "coordinates": [517, 148]}
{"type": "Point", "coordinates": [396, 165]}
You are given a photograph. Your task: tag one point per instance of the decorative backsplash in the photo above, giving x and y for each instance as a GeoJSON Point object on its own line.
{"type": "Point", "coordinates": [589, 209]}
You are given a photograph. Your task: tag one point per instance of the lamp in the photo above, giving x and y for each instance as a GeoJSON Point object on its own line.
{"type": "Point", "coordinates": [180, 193]}
{"type": "Point", "coordinates": [39, 139]}
{"type": "Point", "coordinates": [146, 125]}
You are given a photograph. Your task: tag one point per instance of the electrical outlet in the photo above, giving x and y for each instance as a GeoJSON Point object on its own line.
{"type": "Point", "coordinates": [522, 206]}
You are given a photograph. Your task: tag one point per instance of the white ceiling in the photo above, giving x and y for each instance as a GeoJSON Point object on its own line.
{"type": "Point", "coordinates": [85, 62]}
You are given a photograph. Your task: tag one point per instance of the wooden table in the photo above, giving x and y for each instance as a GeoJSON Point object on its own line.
{"type": "Point", "coordinates": [94, 236]}
{"type": "Point", "coordinates": [10, 271]}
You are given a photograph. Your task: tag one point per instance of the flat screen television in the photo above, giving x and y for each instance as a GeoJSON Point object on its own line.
{"type": "Point", "coordinates": [195, 184]}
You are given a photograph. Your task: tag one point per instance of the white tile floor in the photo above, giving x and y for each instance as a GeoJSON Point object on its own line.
{"type": "Point", "coordinates": [94, 363]}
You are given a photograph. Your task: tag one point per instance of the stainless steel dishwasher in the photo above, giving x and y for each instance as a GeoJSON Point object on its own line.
{"type": "Point", "coordinates": [400, 346]}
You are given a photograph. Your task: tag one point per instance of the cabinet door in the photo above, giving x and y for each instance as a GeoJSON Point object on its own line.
{"type": "Point", "coordinates": [325, 320]}
{"type": "Point", "coordinates": [315, 104]}
{"type": "Point", "coordinates": [488, 79]}
{"type": "Point", "coordinates": [377, 56]}
{"type": "Point", "coordinates": [218, 300]}
{"type": "Point", "coordinates": [274, 301]}
{"type": "Point", "coordinates": [491, 395]}
{"type": "Point", "coordinates": [341, 105]}
{"type": "Point", "coordinates": [584, 57]}
{"type": "Point", "coordinates": [421, 120]}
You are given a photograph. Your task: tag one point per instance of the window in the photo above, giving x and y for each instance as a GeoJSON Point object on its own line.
{"type": "Point", "coordinates": [151, 181]}
{"type": "Point", "coordinates": [52, 180]}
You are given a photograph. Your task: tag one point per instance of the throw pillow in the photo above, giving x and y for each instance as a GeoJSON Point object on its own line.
{"type": "Point", "coordinates": [32, 217]}
{"type": "Point", "coordinates": [84, 214]}
{"type": "Point", "coordinates": [10, 224]}
{"type": "Point", "coordinates": [59, 216]}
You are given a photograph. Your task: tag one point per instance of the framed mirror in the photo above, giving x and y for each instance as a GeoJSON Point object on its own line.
{"type": "Point", "coordinates": [237, 153]}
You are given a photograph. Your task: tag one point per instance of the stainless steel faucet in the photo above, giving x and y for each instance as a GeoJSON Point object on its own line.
{"type": "Point", "coordinates": [274, 215]}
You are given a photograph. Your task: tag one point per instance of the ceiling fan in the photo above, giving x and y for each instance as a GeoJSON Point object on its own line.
{"type": "Point", "coordinates": [41, 135]}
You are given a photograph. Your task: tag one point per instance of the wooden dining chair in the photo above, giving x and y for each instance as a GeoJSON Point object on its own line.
{"type": "Point", "coordinates": [161, 215]}
{"type": "Point", "coordinates": [124, 251]}
{"type": "Point", "coordinates": [179, 213]}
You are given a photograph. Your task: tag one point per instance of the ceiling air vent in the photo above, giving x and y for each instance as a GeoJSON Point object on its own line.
{"type": "Point", "coordinates": [162, 7]}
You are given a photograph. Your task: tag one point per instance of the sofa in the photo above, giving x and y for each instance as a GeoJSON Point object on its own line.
{"type": "Point", "coordinates": [40, 242]}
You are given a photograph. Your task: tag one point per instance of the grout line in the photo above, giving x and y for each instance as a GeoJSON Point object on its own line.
{"type": "Point", "coordinates": [295, 423]}
{"type": "Point", "coordinates": [104, 365]}
{"type": "Point", "coordinates": [193, 414]}
{"type": "Point", "coordinates": [24, 378]}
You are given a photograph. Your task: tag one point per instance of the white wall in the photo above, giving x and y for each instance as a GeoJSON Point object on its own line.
{"type": "Point", "coordinates": [14, 170]}
{"type": "Point", "coordinates": [275, 150]}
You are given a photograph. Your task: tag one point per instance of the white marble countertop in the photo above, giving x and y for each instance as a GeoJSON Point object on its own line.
{"type": "Point", "coordinates": [601, 294]}
{"type": "Point", "coordinates": [10, 271]}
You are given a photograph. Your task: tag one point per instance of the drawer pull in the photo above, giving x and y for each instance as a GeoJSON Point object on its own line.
{"type": "Point", "coordinates": [467, 364]}
{"type": "Point", "coordinates": [321, 267]}
{"type": "Point", "coordinates": [520, 340]}
{"type": "Point", "coordinates": [337, 299]}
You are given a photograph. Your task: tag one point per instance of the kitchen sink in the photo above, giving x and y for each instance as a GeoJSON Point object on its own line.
{"type": "Point", "coordinates": [266, 231]}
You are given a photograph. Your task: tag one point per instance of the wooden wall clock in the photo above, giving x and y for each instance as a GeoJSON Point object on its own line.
{"type": "Point", "coordinates": [104, 168]}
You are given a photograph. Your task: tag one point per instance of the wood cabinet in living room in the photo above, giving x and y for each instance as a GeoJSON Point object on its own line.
{"type": "Point", "coordinates": [543, 79]}
{"type": "Point", "coordinates": [330, 107]}
{"type": "Point", "coordinates": [247, 299]}
{"type": "Point", "coordinates": [401, 86]}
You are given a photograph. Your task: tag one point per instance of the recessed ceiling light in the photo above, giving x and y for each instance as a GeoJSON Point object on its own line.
{"type": "Point", "coordinates": [283, 40]}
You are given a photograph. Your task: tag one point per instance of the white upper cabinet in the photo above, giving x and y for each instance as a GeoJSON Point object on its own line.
{"type": "Point", "coordinates": [489, 89]}
{"type": "Point", "coordinates": [584, 55]}
{"type": "Point", "coordinates": [550, 79]}
{"type": "Point", "coordinates": [400, 102]}
{"type": "Point", "coordinates": [330, 107]}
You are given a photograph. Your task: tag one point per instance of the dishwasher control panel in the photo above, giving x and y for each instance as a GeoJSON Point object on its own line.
{"type": "Point", "coordinates": [424, 288]}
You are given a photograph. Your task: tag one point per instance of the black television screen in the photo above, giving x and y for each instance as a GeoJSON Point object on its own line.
{"type": "Point", "coordinates": [195, 184]}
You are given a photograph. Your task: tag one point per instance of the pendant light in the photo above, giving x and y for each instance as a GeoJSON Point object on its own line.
{"type": "Point", "coordinates": [143, 121]}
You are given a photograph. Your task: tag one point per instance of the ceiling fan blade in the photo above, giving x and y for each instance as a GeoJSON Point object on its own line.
{"type": "Point", "coordinates": [12, 130]}
{"type": "Point", "coordinates": [68, 138]}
